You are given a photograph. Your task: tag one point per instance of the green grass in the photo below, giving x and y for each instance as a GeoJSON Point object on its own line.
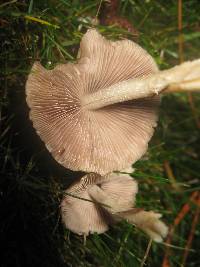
{"type": "Point", "coordinates": [31, 181]}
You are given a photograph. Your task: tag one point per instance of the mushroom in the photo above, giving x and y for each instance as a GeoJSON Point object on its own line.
{"type": "Point", "coordinates": [103, 140]}
{"type": "Point", "coordinates": [95, 202]}
{"type": "Point", "coordinates": [79, 212]}
{"type": "Point", "coordinates": [83, 215]}
{"type": "Point", "coordinates": [98, 114]}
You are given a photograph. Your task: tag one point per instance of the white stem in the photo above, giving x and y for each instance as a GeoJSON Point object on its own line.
{"type": "Point", "coordinates": [148, 221]}
{"type": "Point", "coordinates": [188, 86]}
{"type": "Point", "coordinates": [143, 87]}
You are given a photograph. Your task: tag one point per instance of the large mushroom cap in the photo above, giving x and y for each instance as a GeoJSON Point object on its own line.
{"type": "Point", "coordinates": [103, 140]}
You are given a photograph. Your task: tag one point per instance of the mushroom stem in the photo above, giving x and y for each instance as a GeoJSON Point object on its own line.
{"type": "Point", "coordinates": [187, 86]}
{"type": "Point", "coordinates": [148, 221]}
{"type": "Point", "coordinates": [183, 77]}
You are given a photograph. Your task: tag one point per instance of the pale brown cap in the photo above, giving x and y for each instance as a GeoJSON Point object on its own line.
{"type": "Point", "coordinates": [79, 212]}
{"type": "Point", "coordinates": [93, 203]}
{"type": "Point", "coordinates": [103, 140]}
{"type": "Point", "coordinates": [85, 210]}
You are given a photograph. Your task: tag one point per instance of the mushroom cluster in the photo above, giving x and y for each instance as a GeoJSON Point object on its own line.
{"type": "Point", "coordinates": [97, 116]}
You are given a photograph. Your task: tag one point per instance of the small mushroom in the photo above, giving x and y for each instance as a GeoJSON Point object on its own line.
{"type": "Point", "coordinates": [95, 202]}
{"type": "Point", "coordinates": [79, 212]}
{"type": "Point", "coordinates": [82, 214]}
{"type": "Point", "coordinates": [103, 140]}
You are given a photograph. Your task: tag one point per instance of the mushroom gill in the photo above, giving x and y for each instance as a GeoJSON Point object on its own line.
{"type": "Point", "coordinates": [103, 140]}
{"type": "Point", "coordinates": [83, 214]}
{"type": "Point", "coordinates": [95, 202]}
